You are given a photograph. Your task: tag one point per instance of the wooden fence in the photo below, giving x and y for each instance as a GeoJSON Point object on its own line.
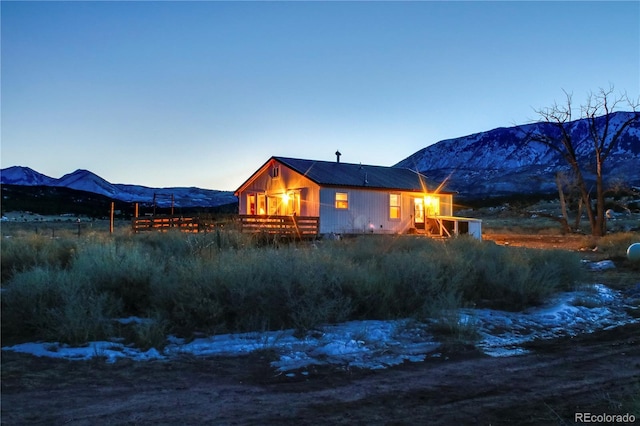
{"type": "Point", "coordinates": [287, 226]}
{"type": "Point", "coordinates": [290, 226]}
{"type": "Point", "coordinates": [181, 223]}
{"type": "Point", "coordinates": [165, 223]}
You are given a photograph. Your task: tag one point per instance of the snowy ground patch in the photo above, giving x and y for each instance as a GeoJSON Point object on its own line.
{"type": "Point", "coordinates": [381, 344]}
{"type": "Point", "coordinates": [594, 308]}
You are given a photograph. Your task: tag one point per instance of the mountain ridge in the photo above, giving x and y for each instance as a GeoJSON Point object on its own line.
{"type": "Point", "coordinates": [85, 180]}
{"type": "Point", "coordinates": [489, 164]}
{"type": "Point", "coordinates": [499, 162]}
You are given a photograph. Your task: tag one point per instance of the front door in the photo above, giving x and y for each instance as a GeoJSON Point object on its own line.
{"type": "Point", "coordinates": [293, 203]}
{"type": "Point", "coordinates": [418, 213]}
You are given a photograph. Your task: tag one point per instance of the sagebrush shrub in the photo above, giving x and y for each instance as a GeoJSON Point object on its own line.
{"type": "Point", "coordinates": [189, 296]}
{"type": "Point", "coordinates": [47, 303]}
{"type": "Point", "coordinates": [27, 300]}
{"type": "Point", "coordinates": [151, 333]}
{"type": "Point", "coordinates": [125, 273]}
{"type": "Point", "coordinates": [223, 282]}
{"type": "Point", "coordinates": [616, 245]}
{"type": "Point", "coordinates": [21, 254]}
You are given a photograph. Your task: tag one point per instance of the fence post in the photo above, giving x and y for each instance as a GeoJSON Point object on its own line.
{"type": "Point", "coordinates": [111, 220]}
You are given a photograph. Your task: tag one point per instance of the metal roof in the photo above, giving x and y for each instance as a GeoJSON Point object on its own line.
{"type": "Point", "coordinates": [333, 173]}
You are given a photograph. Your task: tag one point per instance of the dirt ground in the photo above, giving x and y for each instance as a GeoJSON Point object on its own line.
{"type": "Point", "coordinates": [596, 373]}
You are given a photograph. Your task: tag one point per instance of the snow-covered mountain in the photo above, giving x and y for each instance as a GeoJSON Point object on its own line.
{"type": "Point", "coordinates": [84, 180]}
{"type": "Point", "coordinates": [499, 162]}
{"type": "Point", "coordinates": [18, 175]}
{"type": "Point", "coordinates": [488, 164]}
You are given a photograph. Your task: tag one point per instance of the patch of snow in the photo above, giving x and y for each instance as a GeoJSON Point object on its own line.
{"type": "Point", "coordinates": [504, 332]}
{"type": "Point", "coordinates": [603, 265]}
{"type": "Point", "coordinates": [133, 320]}
{"type": "Point", "coordinates": [379, 344]}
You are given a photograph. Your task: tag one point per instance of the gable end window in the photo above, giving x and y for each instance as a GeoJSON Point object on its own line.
{"type": "Point", "coordinates": [342, 200]}
{"type": "Point", "coordinates": [275, 171]}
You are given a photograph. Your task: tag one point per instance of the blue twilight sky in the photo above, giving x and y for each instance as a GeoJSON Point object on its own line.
{"type": "Point", "coordinates": [203, 93]}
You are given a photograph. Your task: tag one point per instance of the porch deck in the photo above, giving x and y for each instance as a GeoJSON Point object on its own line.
{"type": "Point", "coordinates": [446, 226]}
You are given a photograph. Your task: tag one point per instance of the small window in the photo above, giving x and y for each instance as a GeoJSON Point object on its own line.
{"type": "Point", "coordinates": [275, 171]}
{"type": "Point", "coordinates": [342, 200]}
{"type": "Point", "coordinates": [394, 206]}
{"type": "Point", "coordinates": [251, 204]}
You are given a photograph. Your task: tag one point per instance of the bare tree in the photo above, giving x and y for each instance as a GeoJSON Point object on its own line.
{"type": "Point", "coordinates": [561, 182]}
{"type": "Point", "coordinates": [598, 113]}
{"type": "Point", "coordinates": [570, 198]}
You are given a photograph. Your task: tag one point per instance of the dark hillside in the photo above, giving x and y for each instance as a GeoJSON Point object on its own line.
{"type": "Point", "coordinates": [54, 200]}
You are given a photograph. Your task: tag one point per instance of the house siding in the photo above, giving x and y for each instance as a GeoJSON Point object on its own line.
{"type": "Point", "coordinates": [368, 212]}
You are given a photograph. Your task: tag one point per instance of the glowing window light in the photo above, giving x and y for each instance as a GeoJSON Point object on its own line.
{"type": "Point", "coordinates": [394, 206]}
{"type": "Point", "coordinates": [342, 200]}
{"type": "Point", "coordinates": [432, 205]}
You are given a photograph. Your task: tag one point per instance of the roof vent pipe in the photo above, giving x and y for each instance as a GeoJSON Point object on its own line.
{"type": "Point", "coordinates": [338, 156]}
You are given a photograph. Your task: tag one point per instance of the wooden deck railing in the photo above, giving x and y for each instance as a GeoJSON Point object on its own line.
{"type": "Point", "coordinates": [292, 226]}
{"type": "Point", "coordinates": [289, 226]}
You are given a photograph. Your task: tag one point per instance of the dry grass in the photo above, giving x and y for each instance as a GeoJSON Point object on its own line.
{"type": "Point", "coordinates": [211, 283]}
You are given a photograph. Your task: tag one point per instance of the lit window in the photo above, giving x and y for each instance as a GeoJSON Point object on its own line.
{"type": "Point", "coordinates": [394, 206]}
{"type": "Point", "coordinates": [432, 205]}
{"type": "Point", "coordinates": [272, 205]}
{"type": "Point", "coordinates": [251, 204]}
{"type": "Point", "coordinates": [342, 200]}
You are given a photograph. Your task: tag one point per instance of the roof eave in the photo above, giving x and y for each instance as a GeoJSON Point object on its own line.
{"type": "Point", "coordinates": [382, 188]}
{"type": "Point", "coordinates": [253, 176]}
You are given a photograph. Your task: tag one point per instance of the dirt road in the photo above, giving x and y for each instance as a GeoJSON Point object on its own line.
{"type": "Point", "coordinates": [597, 373]}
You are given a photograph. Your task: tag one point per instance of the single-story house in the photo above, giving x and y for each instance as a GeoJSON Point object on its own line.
{"type": "Point", "coordinates": [346, 198]}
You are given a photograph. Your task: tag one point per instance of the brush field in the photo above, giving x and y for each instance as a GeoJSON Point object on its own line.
{"type": "Point", "coordinates": [62, 284]}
